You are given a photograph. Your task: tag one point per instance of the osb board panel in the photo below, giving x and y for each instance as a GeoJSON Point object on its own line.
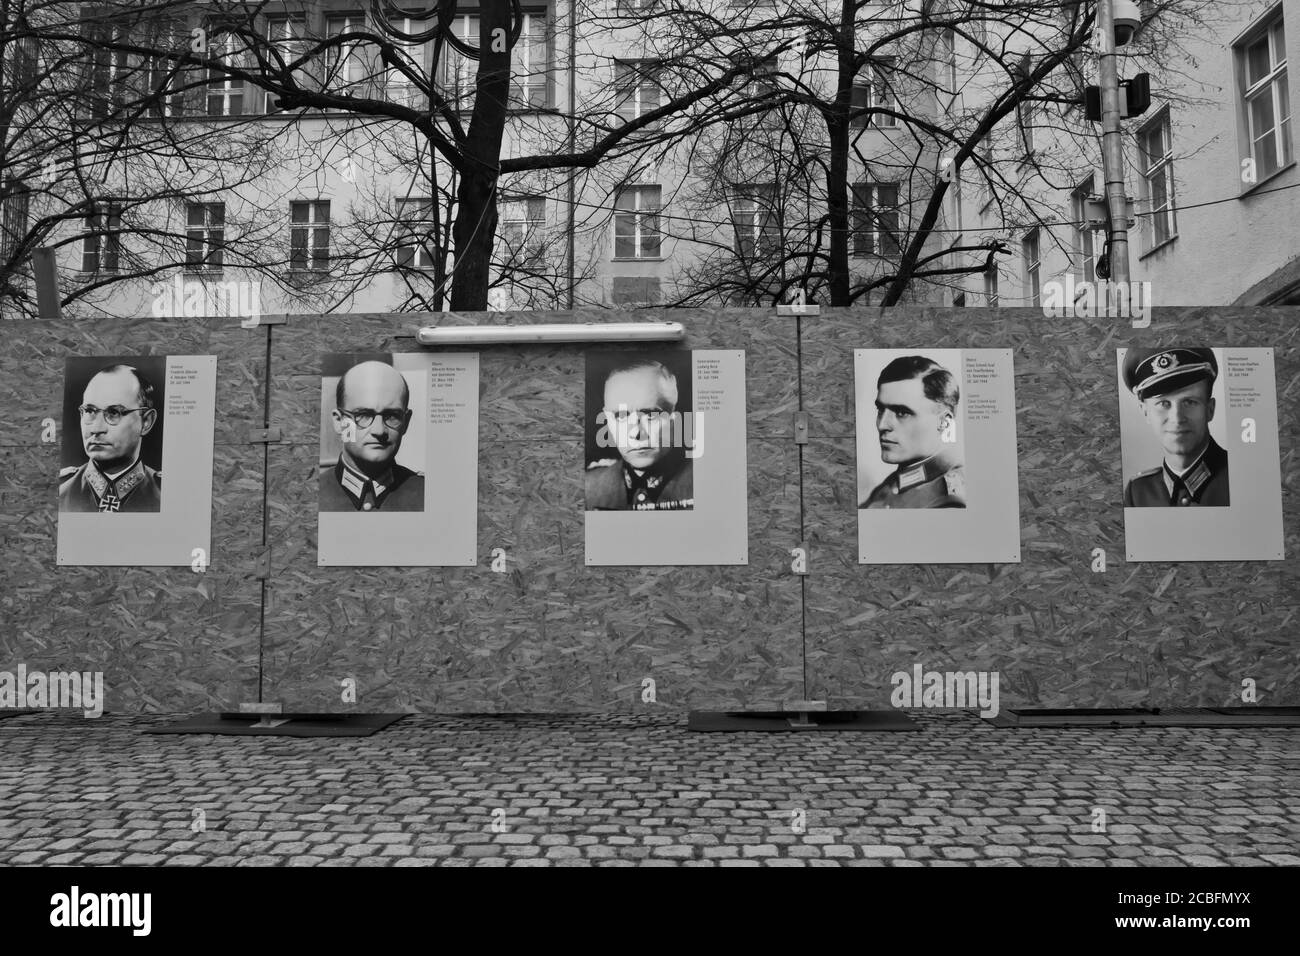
{"type": "Point", "coordinates": [530, 392]}
{"type": "Point", "coordinates": [31, 365]}
{"type": "Point", "coordinates": [167, 639]}
{"type": "Point", "coordinates": [550, 635]}
{"type": "Point", "coordinates": [1144, 634]}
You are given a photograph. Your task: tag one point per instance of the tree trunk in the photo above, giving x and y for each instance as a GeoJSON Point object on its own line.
{"type": "Point", "coordinates": [476, 199]}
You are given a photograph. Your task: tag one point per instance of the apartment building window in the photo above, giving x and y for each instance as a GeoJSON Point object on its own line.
{"type": "Point", "coordinates": [991, 297]}
{"type": "Point", "coordinates": [400, 88]}
{"type": "Point", "coordinates": [948, 60]}
{"type": "Point", "coordinates": [109, 69]}
{"type": "Point", "coordinates": [205, 236]}
{"type": "Point", "coordinates": [1261, 64]}
{"type": "Point", "coordinates": [636, 222]}
{"type": "Point", "coordinates": [766, 78]}
{"type": "Point", "coordinates": [101, 246]}
{"type": "Point", "coordinates": [638, 84]}
{"type": "Point", "coordinates": [1156, 165]}
{"type": "Point", "coordinates": [635, 290]}
{"type": "Point", "coordinates": [1089, 243]}
{"type": "Point", "coordinates": [309, 235]}
{"type": "Point", "coordinates": [164, 77]}
{"type": "Point", "coordinates": [286, 35]}
{"type": "Point", "coordinates": [416, 243]}
{"type": "Point", "coordinates": [346, 69]}
{"type": "Point", "coordinates": [523, 219]}
{"type": "Point", "coordinates": [1029, 250]}
{"type": "Point", "coordinates": [529, 64]}
{"type": "Point", "coordinates": [13, 219]}
{"type": "Point", "coordinates": [225, 93]}
{"type": "Point", "coordinates": [753, 212]}
{"type": "Point", "coordinates": [629, 8]}
{"type": "Point", "coordinates": [874, 219]}
{"type": "Point", "coordinates": [873, 89]}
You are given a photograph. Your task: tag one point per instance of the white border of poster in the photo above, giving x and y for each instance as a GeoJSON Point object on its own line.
{"type": "Point", "coordinates": [987, 529]}
{"type": "Point", "coordinates": [179, 533]}
{"type": "Point", "coordinates": [442, 442]}
{"type": "Point", "coordinates": [714, 530]}
{"type": "Point", "coordinates": [1245, 424]}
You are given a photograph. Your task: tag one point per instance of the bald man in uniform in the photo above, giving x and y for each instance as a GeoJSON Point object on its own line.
{"type": "Point", "coordinates": [370, 417]}
{"type": "Point", "coordinates": [1174, 387]}
{"type": "Point", "coordinates": [117, 410]}
{"type": "Point", "coordinates": [652, 472]}
{"type": "Point", "coordinates": [916, 405]}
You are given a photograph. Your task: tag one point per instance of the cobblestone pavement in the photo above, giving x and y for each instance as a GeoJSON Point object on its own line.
{"type": "Point", "coordinates": [625, 790]}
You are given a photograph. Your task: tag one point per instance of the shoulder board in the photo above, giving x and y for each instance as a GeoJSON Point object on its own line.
{"type": "Point", "coordinates": [69, 471]}
{"type": "Point", "coordinates": [1149, 472]}
{"type": "Point", "coordinates": [603, 463]}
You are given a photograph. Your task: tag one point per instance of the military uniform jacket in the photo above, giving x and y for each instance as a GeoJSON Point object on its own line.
{"type": "Point", "coordinates": [936, 482]}
{"type": "Point", "coordinates": [345, 489]}
{"type": "Point", "coordinates": [138, 489]}
{"type": "Point", "coordinates": [1204, 484]}
{"type": "Point", "coordinates": [612, 486]}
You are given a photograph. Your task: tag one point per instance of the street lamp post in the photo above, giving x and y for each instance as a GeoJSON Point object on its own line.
{"type": "Point", "coordinates": [1112, 143]}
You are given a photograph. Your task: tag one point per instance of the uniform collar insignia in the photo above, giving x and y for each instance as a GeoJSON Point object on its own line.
{"type": "Point", "coordinates": [354, 482]}
{"type": "Point", "coordinates": [928, 469]}
{"type": "Point", "coordinates": [120, 487]}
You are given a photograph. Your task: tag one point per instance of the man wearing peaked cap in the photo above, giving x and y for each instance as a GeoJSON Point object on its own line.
{"type": "Point", "coordinates": [1174, 387]}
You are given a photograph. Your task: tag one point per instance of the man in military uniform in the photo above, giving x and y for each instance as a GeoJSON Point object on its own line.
{"type": "Point", "coordinates": [916, 408]}
{"type": "Point", "coordinates": [117, 410]}
{"type": "Point", "coordinates": [652, 472]}
{"type": "Point", "coordinates": [1174, 387]}
{"type": "Point", "coordinates": [371, 414]}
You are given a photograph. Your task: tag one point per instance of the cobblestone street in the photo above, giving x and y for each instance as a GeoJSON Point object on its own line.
{"type": "Point", "coordinates": [628, 790]}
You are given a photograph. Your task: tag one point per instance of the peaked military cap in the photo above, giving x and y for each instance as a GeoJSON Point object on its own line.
{"type": "Point", "coordinates": [1149, 372]}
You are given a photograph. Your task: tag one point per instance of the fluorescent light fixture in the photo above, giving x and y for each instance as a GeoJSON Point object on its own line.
{"type": "Point", "coordinates": [568, 332]}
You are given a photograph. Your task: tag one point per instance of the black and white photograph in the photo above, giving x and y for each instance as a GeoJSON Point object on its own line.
{"type": "Point", "coordinates": [371, 457]}
{"type": "Point", "coordinates": [919, 434]}
{"type": "Point", "coordinates": [937, 478]}
{"type": "Point", "coordinates": [113, 421]}
{"type": "Point", "coordinates": [612, 433]}
{"type": "Point", "coordinates": [640, 432]}
{"type": "Point", "coordinates": [665, 457]}
{"type": "Point", "coordinates": [396, 482]}
{"type": "Point", "coordinates": [128, 422]}
{"type": "Point", "coordinates": [1178, 390]}
{"type": "Point", "coordinates": [1199, 453]}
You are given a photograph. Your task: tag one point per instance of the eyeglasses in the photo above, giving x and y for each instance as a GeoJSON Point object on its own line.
{"type": "Point", "coordinates": [644, 416]}
{"type": "Point", "coordinates": [112, 415]}
{"type": "Point", "coordinates": [393, 417]}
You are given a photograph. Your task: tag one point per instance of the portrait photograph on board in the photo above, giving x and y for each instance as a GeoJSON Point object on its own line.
{"type": "Point", "coordinates": [368, 462]}
{"type": "Point", "coordinates": [664, 457]}
{"type": "Point", "coordinates": [128, 422]}
{"type": "Point", "coordinates": [1199, 453]}
{"type": "Point", "coordinates": [639, 431]}
{"type": "Point", "coordinates": [936, 456]}
{"type": "Point", "coordinates": [113, 435]}
{"type": "Point", "coordinates": [397, 477]}
{"type": "Point", "coordinates": [918, 460]}
{"type": "Point", "coordinates": [1178, 460]}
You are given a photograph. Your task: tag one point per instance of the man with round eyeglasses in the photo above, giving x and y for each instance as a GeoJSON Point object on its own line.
{"type": "Point", "coordinates": [117, 410]}
{"type": "Point", "coordinates": [371, 416]}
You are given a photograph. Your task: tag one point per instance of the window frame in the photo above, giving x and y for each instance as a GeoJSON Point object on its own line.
{"type": "Point", "coordinates": [1270, 29]}
{"type": "Point", "coordinates": [101, 243]}
{"type": "Point", "coordinates": [873, 90]}
{"type": "Point", "coordinates": [1163, 168]}
{"type": "Point", "coordinates": [415, 250]}
{"type": "Point", "coordinates": [869, 231]}
{"type": "Point", "coordinates": [647, 241]}
{"type": "Point", "coordinates": [211, 238]}
{"type": "Point", "coordinates": [1033, 264]}
{"type": "Point", "coordinates": [306, 235]}
{"type": "Point", "coordinates": [759, 235]}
